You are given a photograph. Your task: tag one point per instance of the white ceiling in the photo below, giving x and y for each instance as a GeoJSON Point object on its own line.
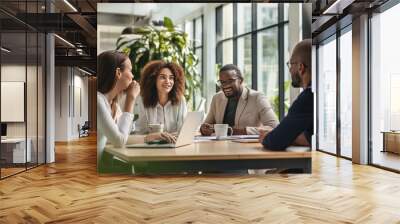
{"type": "Point", "coordinates": [157, 11]}
{"type": "Point", "coordinates": [138, 9]}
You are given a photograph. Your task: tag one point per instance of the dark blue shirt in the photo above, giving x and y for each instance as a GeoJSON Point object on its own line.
{"type": "Point", "coordinates": [300, 119]}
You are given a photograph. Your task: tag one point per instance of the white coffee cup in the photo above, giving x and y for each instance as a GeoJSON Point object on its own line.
{"type": "Point", "coordinates": [156, 128]}
{"type": "Point", "coordinates": [221, 130]}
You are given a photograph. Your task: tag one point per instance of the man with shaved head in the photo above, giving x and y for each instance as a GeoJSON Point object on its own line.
{"type": "Point", "coordinates": [296, 128]}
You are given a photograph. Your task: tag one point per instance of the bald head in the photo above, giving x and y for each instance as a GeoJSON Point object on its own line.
{"type": "Point", "coordinates": [300, 64]}
{"type": "Point", "coordinates": [302, 54]}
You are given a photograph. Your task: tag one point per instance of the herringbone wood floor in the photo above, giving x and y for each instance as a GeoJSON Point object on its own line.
{"type": "Point", "coordinates": [70, 191]}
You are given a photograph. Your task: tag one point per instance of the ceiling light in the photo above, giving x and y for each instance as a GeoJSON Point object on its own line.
{"type": "Point", "coordinates": [86, 72]}
{"type": "Point", "coordinates": [337, 7]}
{"type": "Point", "coordinates": [5, 50]}
{"type": "Point", "coordinates": [70, 5]}
{"type": "Point", "coordinates": [65, 41]}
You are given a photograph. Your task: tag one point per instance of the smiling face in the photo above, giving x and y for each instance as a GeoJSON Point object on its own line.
{"type": "Point", "coordinates": [231, 83]}
{"type": "Point", "coordinates": [165, 81]}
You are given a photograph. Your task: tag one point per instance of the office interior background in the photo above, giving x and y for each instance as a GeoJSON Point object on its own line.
{"type": "Point", "coordinates": [48, 67]}
{"type": "Point", "coordinates": [47, 80]}
{"type": "Point", "coordinates": [48, 88]}
{"type": "Point", "coordinates": [357, 113]}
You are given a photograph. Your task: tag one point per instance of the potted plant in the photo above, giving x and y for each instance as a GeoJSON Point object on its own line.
{"type": "Point", "coordinates": [162, 43]}
{"type": "Point", "coordinates": [275, 99]}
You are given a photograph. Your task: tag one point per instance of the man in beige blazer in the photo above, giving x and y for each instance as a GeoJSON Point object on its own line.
{"type": "Point", "coordinates": [244, 109]}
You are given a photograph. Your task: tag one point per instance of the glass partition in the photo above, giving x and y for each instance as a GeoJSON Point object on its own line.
{"type": "Point", "coordinates": [31, 97]}
{"type": "Point", "coordinates": [22, 89]}
{"type": "Point", "coordinates": [14, 154]}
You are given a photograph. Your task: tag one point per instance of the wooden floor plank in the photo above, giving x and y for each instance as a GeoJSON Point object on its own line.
{"type": "Point", "coordinates": [70, 191]}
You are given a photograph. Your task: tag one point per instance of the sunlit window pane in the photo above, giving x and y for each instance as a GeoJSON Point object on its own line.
{"type": "Point", "coordinates": [268, 68]}
{"type": "Point", "coordinates": [267, 14]}
{"type": "Point", "coordinates": [244, 58]}
{"type": "Point", "coordinates": [244, 18]}
{"type": "Point", "coordinates": [346, 94]}
{"type": "Point", "coordinates": [327, 96]}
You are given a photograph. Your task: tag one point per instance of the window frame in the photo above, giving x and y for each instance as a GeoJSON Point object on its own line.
{"type": "Point", "coordinates": [333, 37]}
{"type": "Point", "coordinates": [196, 48]}
{"type": "Point", "coordinates": [280, 25]}
{"type": "Point", "coordinates": [381, 9]}
{"type": "Point", "coordinates": [28, 30]}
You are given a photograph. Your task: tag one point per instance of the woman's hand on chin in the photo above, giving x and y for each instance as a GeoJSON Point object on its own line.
{"type": "Point", "coordinates": [133, 90]}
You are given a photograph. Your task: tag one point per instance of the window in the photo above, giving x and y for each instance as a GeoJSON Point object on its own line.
{"type": "Point", "coordinates": [346, 93]}
{"type": "Point", "coordinates": [248, 36]}
{"type": "Point", "coordinates": [267, 56]}
{"type": "Point", "coordinates": [288, 79]}
{"type": "Point", "coordinates": [227, 26]}
{"type": "Point", "coordinates": [334, 94]}
{"type": "Point", "coordinates": [244, 58]}
{"type": "Point", "coordinates": [327, 96]}
{"type": "Point", "coordinates": [267, 15]}
{"type": "Point", "coordinates": [385, 84]}
{"type": "Point", "coordinates": [198, 43]}
{"type": "Point", "coordinates": [189, 31]}
{"type": "Point", "coordinates": [194, 29]}
{"type": "Point", "coordinates": [244, 13]}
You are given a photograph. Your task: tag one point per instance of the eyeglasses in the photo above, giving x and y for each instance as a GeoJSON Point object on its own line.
{"type": "Point", "coordinates": [225, 82]}
{"type": "Point", "coordinates": [294, 63]}
{"type": "Point", "coordinates": [290, 63]}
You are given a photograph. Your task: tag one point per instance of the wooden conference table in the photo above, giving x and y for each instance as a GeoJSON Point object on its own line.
{"type": "Point", "coordinates": [212, 156]}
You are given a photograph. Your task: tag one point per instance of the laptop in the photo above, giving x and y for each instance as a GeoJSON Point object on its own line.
{"type": "Point", "coordinates": [185, 137]}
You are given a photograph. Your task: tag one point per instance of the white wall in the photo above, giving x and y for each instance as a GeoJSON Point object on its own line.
{"type": "Point", "coordinates": [16, 73]}
{"type": "Point", "coordinates": [33, 127]}
{"type": "Point", "coordinates": [186, 11]}
{"type": "Point", "coordinates": [67, 115]}
{"type": "Point", "coordinates": [13, 73]}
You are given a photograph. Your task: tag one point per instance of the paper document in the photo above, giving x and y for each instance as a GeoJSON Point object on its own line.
{"type": "Point", "coordinates": [233, 137]}
{"type": "Point", "coordinates": [246, 140]}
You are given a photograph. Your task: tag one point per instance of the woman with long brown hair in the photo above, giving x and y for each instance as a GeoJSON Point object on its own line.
{"type": "Point", "coordinates": [162, 101]}
{"type": "Point", "coordinates": [114, 76]}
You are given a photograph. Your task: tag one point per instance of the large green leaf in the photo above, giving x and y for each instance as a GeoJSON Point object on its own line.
{"type": "Point", "coordinates": [164, 43]}
{"type": "Point", "coordinates": [168, 24]}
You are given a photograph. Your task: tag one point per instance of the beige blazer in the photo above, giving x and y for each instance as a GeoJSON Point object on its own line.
{"type": "Point", "coordinates": [253, 111]}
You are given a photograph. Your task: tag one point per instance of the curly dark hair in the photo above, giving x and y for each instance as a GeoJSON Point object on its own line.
{"type": "Point", "coordinates": [148, 79]}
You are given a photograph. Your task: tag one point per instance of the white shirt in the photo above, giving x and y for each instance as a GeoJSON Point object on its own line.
{"type": "Point", "coordinates": [171, 116]}
{"type": "Point", "coordinates": [114, 131]}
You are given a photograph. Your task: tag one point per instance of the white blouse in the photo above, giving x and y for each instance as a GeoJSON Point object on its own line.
{"type": "Point", "coordinates": [171, 116]}
{"type": "Point", "coordinates": [114, 131]}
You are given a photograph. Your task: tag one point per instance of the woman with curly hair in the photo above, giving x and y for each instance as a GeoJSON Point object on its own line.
{"type": "Point", "coordinates": [162, 100]}
{"type": "Point", "coordinates": [114, 77]}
